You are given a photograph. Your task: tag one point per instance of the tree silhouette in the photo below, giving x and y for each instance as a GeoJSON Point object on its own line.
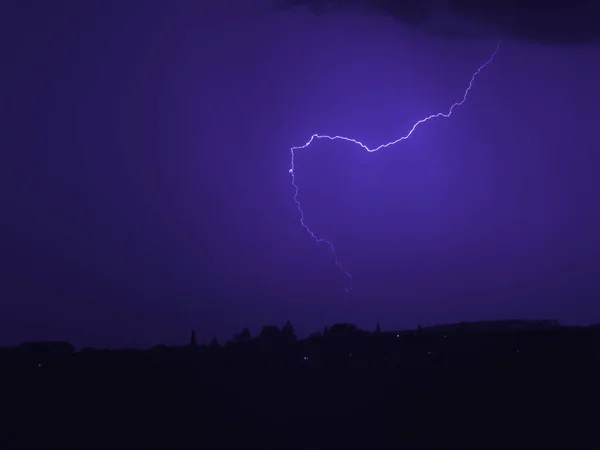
{"type": "Point", "coordinates": [269, 333]}
{"type": "Point", "coordinates": [243, 336]}
{"type": "Point", "coordinates": [214, 344]}
{"type": "Point", "coordinates": [193, 342]}
{"type": "Point", "coordinates": [343, 330]}
{"type": "Point", "coordinates": [288, 333]}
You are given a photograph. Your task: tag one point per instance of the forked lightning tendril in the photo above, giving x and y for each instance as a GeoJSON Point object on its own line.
{"type": "Point", "coordinates": [292, 170]}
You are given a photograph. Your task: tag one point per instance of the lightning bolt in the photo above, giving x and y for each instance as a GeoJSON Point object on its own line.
{"type": "Point", "coordinates": [314, 137]}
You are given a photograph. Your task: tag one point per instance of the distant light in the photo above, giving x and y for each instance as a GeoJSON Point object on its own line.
{"type": "Point", "coordinates": [349, 354]}
{"type": "Point", "coordinates": [445, 336]}
{"type": "Point", "coordinates": [429, 353]}
{"type": "Point", "coordinates": [306, 358]}
{"type": "Point", "coordinates": [518, 351]}
{"type": "Point", "coordinates": [397, 335]}
{"type": "Point", "coordinates": [39, 365]}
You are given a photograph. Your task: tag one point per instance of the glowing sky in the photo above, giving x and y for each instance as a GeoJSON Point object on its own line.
{"type": "Point", "coordinates": [145, 187]}
{"type": "Point", "coordinates": [439, 115]}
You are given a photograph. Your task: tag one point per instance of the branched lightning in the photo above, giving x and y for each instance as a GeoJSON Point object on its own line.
{"type": "Point", "coordinates": [314, 137]}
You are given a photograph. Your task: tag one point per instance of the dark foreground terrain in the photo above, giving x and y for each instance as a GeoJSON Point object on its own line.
{"type": "Point", "coordinates": [457, 388]}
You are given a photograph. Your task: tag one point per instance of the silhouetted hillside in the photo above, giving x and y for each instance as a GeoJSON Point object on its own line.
{"type": "Point", "coordinates": [470, 385]}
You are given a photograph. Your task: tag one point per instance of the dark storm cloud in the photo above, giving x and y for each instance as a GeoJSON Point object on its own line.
{"type": "Point", "coordinates": [554, 22]}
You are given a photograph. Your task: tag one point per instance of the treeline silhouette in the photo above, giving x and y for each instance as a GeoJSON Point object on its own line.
{"type": "Point", "coordinates": [511, 384]}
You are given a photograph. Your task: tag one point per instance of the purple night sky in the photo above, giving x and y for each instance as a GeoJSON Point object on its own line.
{"type": "Point", "coordinates": [145, 189]}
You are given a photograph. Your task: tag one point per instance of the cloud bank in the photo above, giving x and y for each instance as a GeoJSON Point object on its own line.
{"type": "Point", "coordinates": [559, 22]}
